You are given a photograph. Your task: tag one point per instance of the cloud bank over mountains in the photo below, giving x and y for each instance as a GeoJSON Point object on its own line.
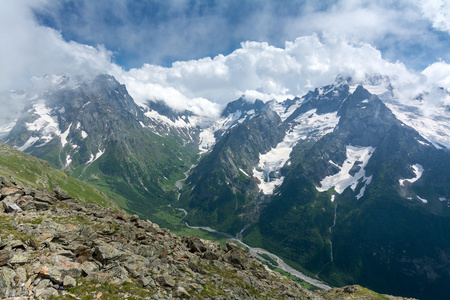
{"type": "Point", "coordinates": [348, 33]}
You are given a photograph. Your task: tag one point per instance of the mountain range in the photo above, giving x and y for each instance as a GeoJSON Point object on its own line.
{"type": "Point", "coordinates": [56, 244]}
{"type": "Point", "coordinates": [345, 183]}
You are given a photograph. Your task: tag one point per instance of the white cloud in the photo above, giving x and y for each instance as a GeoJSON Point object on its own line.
{"type": "Point", "coordinates": [259, 70]}
{"type": "Point", "coordinates": [439, 73]}
{"type": "Point", "coordinates": [438, 83]}
{"type": "Point", "coordinates": [31, 50]}
{"type": "Point", "coordinates": [256, 69]}
{"type": "Point", "coordinates": [438, 12]}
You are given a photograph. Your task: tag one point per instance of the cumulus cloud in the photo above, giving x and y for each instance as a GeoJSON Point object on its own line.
{"type": "Point", "coordinates": [344, 43]}
{"type": "Point", "coordinates": [31, 50]}
{"type": "Point", "coordinates": [438, 12]}
{"type": "Point", "coordinates": [259, 70]}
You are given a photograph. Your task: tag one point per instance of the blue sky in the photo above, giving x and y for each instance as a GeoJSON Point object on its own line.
{"type": "Point", "coordinates": [199, 55]}
{"type": "Point", "coordinates": [160, 32]}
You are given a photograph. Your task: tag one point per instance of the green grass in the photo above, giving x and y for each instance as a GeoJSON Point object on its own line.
{"type": "Point", "coordinates": [90, 290]}
{"type": "Point", "coordinates": [361, 293]}
{"type": "Point", "coordinates": [289, 276]}
{"type": "Point", "coordinates": [28, 170]}
{"type": "Point", "coordinates": [269, 259]}
{"type": "Point", "coordinates": [173, 219]}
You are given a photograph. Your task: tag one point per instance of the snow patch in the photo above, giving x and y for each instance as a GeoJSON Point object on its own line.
{"type": "Point", "coordinates": [68, 161]}
{"type": "Point", "coordinates": [310, 125]}
{"type": "Point", "coordinates": [179, 123]}
{"type": "Point", "coordinates": [28, 143]}
{"type": "Point", "coordinates": [333, 197]}
{"type": "Point", "coordinates": [418, 171]}
{"type": "Point", "coordinates": [244, 172]}
{"type": "Point", "coordinates": [6, 128]}
{"type": "Point", "coordinates": [434, 126]}
{"type": "Point", "coordinates": [84, 105]}
{"type": "Point", "coordinates": [94, 158]}
{"type": "Point", "coordinates": [84, 134]}
{"type": "Point", "coordinates": [367, 181]}
{"type": "Point", "coordinates": [307, 126]}
{"type": "Point", "coordinates": [207, 140]}
{"type": "Point", "coordinates": [64, 136]}
{"type": "Point", "coordinates": [423, 200]}
{"type": "Point", "coordinates": [207, 136]}
{"type": "Point", "coordinates": [281, 111]}
{"type": "Point", "coordinates": [45, 124]}
{"type": "Point", "coordinates": [423, 143]}
{"type": "Point", "coordinates": [356, 156]}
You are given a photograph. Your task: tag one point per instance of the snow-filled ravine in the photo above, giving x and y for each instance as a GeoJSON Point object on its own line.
{"type": "Point", "coordinates": [356, 156]}
{"type": "Point", "coordinates": [307, 126]}
{"type": "Point", "coordinates": [96, 156]}
{"type": "Point", "coordinates": [418, 170]}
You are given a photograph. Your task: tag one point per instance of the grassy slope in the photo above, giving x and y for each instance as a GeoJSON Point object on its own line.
{"type": "Point", "coordinates": [37, 173]}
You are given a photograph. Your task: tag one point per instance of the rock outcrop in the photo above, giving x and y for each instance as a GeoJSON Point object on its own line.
{"type": "Point", "coordinates": [53, 246]}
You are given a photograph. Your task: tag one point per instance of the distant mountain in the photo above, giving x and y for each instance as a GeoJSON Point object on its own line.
{"type": "Point", "coordinates": [95, 131]}
{"type": "Point", "coordinates": [336, 184]}
{"type": "Point", "coordinates": [345, 182]}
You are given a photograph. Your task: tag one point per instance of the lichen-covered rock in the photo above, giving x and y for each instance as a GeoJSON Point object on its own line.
{"type": "Point", "coordinates": [69, 282]}
{"type": "Point", "coordinates": [18, 258]}
{"type": "Point", "coordinates": [165, 280]}
{"type": "Point", "coordinates": [7, 284]}
{"type": "Point", "coordinates": [106, 253]}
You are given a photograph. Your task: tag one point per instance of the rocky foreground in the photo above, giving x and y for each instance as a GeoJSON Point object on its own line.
{"type": "Point", "coordinates": [51, 246]}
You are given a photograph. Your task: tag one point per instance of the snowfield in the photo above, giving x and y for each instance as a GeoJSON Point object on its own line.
{"type": "Point", "coordinates": [307, 126]}
{"type": "Point", "coordinates": [45, 124]}
{"type": "Point", "coordinates": [356, 156]}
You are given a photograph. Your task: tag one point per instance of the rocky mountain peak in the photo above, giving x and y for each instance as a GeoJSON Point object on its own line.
{"type": "Point", "coordinates": [242, 105]}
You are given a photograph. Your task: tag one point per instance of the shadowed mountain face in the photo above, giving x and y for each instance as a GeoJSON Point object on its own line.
{"type": "Point", "coordinates": [333, 182]}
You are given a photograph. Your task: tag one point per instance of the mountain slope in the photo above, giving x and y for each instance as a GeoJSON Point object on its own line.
{"type": "Point", "coordinates": [69, 250]}
{"type": "Point", "coordinates": [31, 171]}
{"type": "Point", "coordinates": [346, 191]}
{"type": "Point", "coordinates": [333, 181]}
{"type": "Point", "coordinates": [95, 131]}
{"type": "Point", "coordinates": [373, 221]}
{"type": "Point", "coordinates": [221, 185]}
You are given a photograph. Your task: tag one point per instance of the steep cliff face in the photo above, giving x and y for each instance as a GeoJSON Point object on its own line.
{"type": "Point", "coordinates": [53, 246]}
